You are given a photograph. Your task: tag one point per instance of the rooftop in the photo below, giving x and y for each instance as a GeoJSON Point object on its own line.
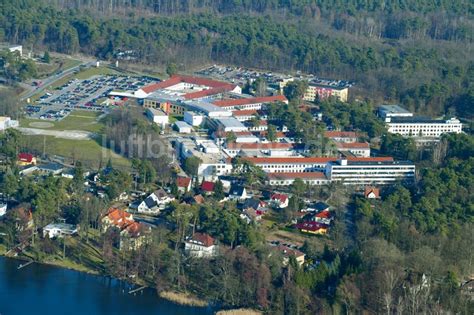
{"type": "Point", "coordinates": [393, 109]}
{"type": "Point", "coordinates": [253, 100]}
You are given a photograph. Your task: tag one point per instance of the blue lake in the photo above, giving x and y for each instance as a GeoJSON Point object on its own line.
{"type": "Point", "coordinates": [42, 289]}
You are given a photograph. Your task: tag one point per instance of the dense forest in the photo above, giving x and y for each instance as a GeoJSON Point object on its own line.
{"type": "Point", "coordinates": [409, 61]}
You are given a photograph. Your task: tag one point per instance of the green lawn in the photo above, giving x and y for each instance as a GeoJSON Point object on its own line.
{"type": "Point", "coordinates": [89, 152]}
{"type": "Point", "coordinates": [77, 120]}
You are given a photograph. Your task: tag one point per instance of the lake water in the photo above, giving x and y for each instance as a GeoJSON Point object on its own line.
{"type": "Point", "coordinates": [41, 289]}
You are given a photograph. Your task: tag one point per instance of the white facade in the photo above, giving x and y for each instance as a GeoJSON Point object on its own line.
{"type": "Point", "coordinates": [192, 118]}
{"type": "Point", "coordinates": [183, 127]}
{"type": "Point", "coordinates": [276, 180]}
{"type": "Point", "coordinates": [196, 249]}
{"type": "Point", "coordinates": [3, 209]}
{"type": "Point", "coordinates": [291, 165]}
{"type": "Point", "coordinates": [7, 122]}
{"type": "Point", "coordinates": [423, 128]}
{"type": "Point", "coordinates": [59, 230]}
{"type": "Point", "coordinates": [366, 173]}
{"type": "Point", "coordinates": [157, 116]}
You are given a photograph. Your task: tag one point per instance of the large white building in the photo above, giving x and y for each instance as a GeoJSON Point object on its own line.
{"type": "Point", "coordinates": [286, 179]}
{"type": "Point", "coordinates": [7, 122]}
{"type": "Point", "coordinates": [361, 149]}
{"type": "Point", "coordinates": [370, 171]}
{"type": "Point", "coordinates": [193, 118]}
{"type": "Point", "coordinates": [290, 164]}
{"type": "Point", "coordinates": [422, 127]}
{"type": "Point", "coordinates": [213, 161]}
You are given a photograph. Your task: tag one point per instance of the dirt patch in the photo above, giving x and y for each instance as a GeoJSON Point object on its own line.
{"type": "Point", "coordinates": [41, 124]}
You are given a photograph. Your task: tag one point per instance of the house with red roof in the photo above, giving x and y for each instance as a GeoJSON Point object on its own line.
{"type": "Point", "coordinates": [25, 159]}
{"type": "Point", "coordinates": [312, 227]}
{"type": "Point", "coordinates": [288, 252]}
{"type": "Point", "coordinates": [200, 245]}
{"type": "Point", "coordinates": [341, 136]}
{"type": "Point", "coordinates": [279, 200]}
{"type": "Point", "coordinates": [371, 192]}
{"type": "Point", "coordinates": [183, 184]}
{"type": "Point", "coordinates": [361, 149]}
{"type": "Point", "coordinates": [134, 235]}
{"type": "Point", "coordinates": [207, 187]}
{"type": "Point", "coordinates": [117, 218]}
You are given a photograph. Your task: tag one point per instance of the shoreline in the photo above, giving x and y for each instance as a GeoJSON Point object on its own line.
{"type": "Point", "coordinates": [175, 297]}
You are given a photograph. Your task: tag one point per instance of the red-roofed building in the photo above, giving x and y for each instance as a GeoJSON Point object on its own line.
{"type": "Point", "coordinates": [279, 200]}
{"type": "Point", "coordinates": [134, 235]}
{"type": "Point", "coordinates": [288, 252]}
{"type": "Point", "coordinates": [116, 217]}
{"type": "Point", "coordinates": [312, 227]}
{"type": "Point", "coordinates": [371, 192]}
{"type": "Point", "coordinates": [360, 149]}
{"type": "Point", "coordinates": [207, 187]}
{"type": "Point", "coordinates": [183, 84]}
{"type": "Point", "coordinates": [341, 136]}
{"type": "Point", "coordinates": [26, 159]}
{"type": "Point", "coordinates": [183, 184]}
{"type": "Point", "coordinates": [250, 103]}
{"type": "Point", "coordinates": [200, 245]}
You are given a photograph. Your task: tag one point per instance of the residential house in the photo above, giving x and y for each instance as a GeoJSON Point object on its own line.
{"type": "Point", "coordinates": [279, 200]}
{"type": "Point", "coordinates": [371, 192]}
{"type": "Point", "coordinates": [312, 227]}
{"type": "Point", "coordinates": [237, 192]}
{"type": "Point", "coordinates": [25, 159]}
{"type": "Point", "coordinates": [253, 209]}
{"type": "Point", "coordinates": [288, 252]}
{"type": "Point", "coordinates": [134, 236]}
{"type": "Point", "coordinates": [207, 187]}
{"type": "Point", "coordinates": [200, 245]}
{"type": "Point", "coordinates": [116, 217]}
{"type": "Point", "coordinates": [324, 217]}
{"type": "Point", "coordinates": [153, 203]}
{"type": "Point", "coordinates": [183, 184]}
{"type": "Point", "coordinates": [54, 230]}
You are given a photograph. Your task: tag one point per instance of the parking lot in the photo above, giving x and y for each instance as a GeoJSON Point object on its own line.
{"type": "Point", "coordinates": [86, 94]}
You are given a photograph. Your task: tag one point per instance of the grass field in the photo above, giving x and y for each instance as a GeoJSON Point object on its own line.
{"type": "Point", "coordinates": [89, 152]}
{"type": "Point", "coordinates": [77, 120]}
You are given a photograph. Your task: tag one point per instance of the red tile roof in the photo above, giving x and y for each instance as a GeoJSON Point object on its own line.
{"type": "Point", "coordinates": [203, 238]}
{"type": "Point", "coordinates": [135, 229]}
{"type": "Point", "coordinates": [248, 101]}
{"type": "Point", "coordinates": [374, 190]}
{"type": "Point", "coordinates": [280, 197]}
{"type": "Point", "coordinates": [340, 134]}
{"type": "Point", "coordinates": [311, 226]}
{"type": "Point", "coordinates": [183, 182]}
{"type": "Point", "coordinates": [245, 112]}
{"type": "Point", "coordinates": [278, 134]}
{"type": "Point", "coordinates": [119, 217]}
{"type": "Point", "coordinates": [289, 160]}
{"type": "Point", "coordinates": [176, 79]}
{"type": "Point", "coordinates": [25, 157]}
{"type": "Point", "coordinates": [302, 175]}
{"type": "Point", "coordinates": [288, 251]}
{"type": "Point", "coordinates": [311, 160]}
{"type": "Point", "coordinates": [207, 186]}
{"type": "Point", "coordinates": [324, 214]}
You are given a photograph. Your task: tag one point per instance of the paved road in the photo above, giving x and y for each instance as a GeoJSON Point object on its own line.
{"type": "Point", "coordinates": [55, 77]}
{"type": "Point", "coordinates": [69, 134]}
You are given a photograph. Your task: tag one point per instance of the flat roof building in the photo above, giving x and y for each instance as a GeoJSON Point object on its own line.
{"type": "Point", "coordinates": [393, 111]}
{"type": "Point", "coordinates": [422, 127]}
{"type": "Point", "coordinates": [370, 171]}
